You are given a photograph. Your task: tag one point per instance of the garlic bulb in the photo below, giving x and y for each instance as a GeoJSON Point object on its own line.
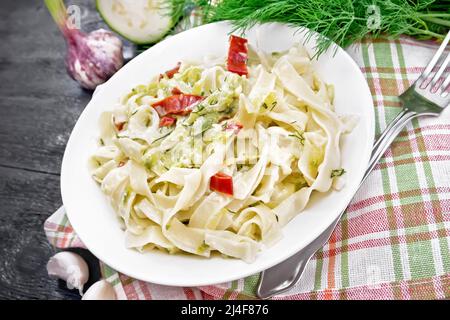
{"type": "Point", "coordinates": [101, 290]}
{"type": "Point", "coordinates": [69, 267]}
{"type": "Point", "coordinates": [94, 57]}
{"type": "Point", "coordinates": [91, 58]}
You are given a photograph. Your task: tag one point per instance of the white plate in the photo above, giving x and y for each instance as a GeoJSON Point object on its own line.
{"type": "Point", "coordinates": [95, 221]}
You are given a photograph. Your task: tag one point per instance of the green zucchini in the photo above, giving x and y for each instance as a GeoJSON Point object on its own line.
{"type": "Point", "coordinates": [140, 21]}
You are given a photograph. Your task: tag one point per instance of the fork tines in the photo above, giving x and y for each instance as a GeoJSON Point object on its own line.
{"type": "Point", "coordinates": [435, 87]}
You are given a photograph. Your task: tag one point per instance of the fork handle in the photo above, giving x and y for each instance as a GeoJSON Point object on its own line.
{"type": "Point", "coordinates": [286, 274]}
{"type": "Point", "coordinates": [387, 137]}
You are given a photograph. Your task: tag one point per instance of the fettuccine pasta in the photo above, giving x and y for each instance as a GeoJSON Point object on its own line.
{"type": "Point", "coordinates": [203, 159]}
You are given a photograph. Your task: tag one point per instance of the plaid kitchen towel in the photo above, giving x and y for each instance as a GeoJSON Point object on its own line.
{"type": "Point", "coordinates": [393, 242]}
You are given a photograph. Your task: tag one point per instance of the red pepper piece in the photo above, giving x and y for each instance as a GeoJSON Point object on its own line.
{"type": "Point", "coordinates": [221, 182]}
{"type": "Point", "coordinates": [237, 55]}
{"type": "Point", "coordinates": [236, 126]}
{"type": "Point", "coordinates": [167, 121]}
{"type": "Point", "coordinates": [170, 73]}
{"type": "Point", "coordinates": [119, 125]}
{"type": "Point", "coordinates": [176, 91]}
{"type": "Point", "coordinates": [176, 104]}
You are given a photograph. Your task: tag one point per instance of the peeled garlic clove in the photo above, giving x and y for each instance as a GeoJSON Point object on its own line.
{"type": "Point", "coordinates": [69, 267]}
{"type": "Point", "coordinates": [101, 290]}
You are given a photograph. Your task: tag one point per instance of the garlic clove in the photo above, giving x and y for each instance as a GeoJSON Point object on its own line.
{"type": "Point", "coordinates": [69, 267]}
{"type": "Point", "coordinates": [101, 290]}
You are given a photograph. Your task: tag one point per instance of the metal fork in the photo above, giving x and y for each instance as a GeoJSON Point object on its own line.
{"type": "Point", "coordinates": [423, 98]}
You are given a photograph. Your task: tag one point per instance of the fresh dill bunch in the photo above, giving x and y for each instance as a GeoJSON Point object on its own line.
{"type": "Point", "coordinates": [337, 21]}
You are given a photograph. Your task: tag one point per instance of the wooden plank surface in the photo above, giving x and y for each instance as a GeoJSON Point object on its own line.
{"type": "Point", "coordinates": [39, 105]}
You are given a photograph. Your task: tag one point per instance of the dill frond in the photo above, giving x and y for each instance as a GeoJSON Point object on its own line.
{"type": "Point", "coordinates": [337, 21]}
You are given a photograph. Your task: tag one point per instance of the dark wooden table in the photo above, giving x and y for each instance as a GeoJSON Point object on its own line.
{"type": "Point", "coordinates": [39, 105]}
